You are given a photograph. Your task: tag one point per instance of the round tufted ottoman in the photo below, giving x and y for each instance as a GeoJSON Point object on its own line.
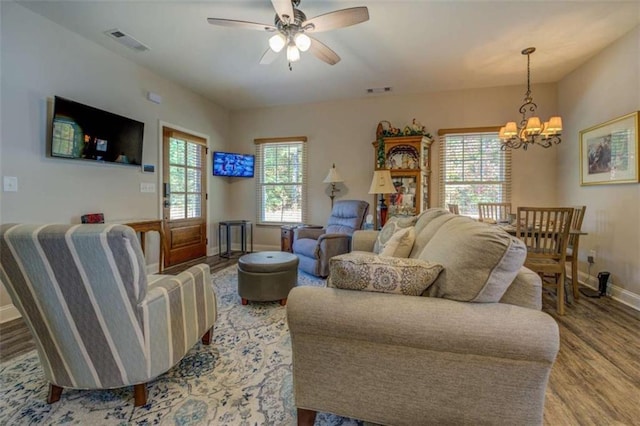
{"type": "Point", "coordinates": [267, 276]}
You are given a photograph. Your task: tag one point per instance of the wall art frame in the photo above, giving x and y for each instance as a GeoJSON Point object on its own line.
{"type": "Point", "coordinates": [609, 152]}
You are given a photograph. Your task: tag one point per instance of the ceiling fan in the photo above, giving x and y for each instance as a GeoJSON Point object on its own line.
{"type": "Point", "coordinates": [292, 29]}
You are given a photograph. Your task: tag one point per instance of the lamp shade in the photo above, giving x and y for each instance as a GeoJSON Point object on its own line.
{"type": "Point", "coordinates": [382, 183]}
{"type": "Point", "coordinates": [333, 176]}
{"type": "Point", "coordinates": [555, 124]}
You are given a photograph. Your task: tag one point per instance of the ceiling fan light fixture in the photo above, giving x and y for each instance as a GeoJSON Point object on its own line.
{"type": "Point", "coordinates": [303, 42]}
{"type": "Point", "coordinates": [277, 42]}
{"type": "Point", "coordinates": [293, 54]}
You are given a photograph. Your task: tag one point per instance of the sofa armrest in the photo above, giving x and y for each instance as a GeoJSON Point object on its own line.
{"type": "Point", "coordinates": [363, 240]}
{"type": "Point", "coordinates": [525, 290]}
{"type": "Point", "coordinates": [182, 306]}
{"type": "Point", "coordinates": [312, 233]}
{"type": "Point", "coordinates": [486, 329]}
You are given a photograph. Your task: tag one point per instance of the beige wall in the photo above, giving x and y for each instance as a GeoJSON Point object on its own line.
{"type": "Point", "coordinates": [342, 132]}
{"type": "Point", "coordinates": [606, 87]}
{"type": "Point", "coordinates": [41, 59]}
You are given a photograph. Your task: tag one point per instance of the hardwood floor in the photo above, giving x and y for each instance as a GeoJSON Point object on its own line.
{"type": "Point", "coordinates": [596, 377]}
{"type": "Point", "coordinates": [595, 380]}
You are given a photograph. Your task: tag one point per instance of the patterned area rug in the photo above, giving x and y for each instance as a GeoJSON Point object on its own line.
{"type": "Point", "coordinates": [242, 378]}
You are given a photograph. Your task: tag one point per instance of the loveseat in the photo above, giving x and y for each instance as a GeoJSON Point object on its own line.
{"type": "Point", "coordinates": [472, 348]}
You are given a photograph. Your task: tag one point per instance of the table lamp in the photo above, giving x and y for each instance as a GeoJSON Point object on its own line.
{"type": "Point", "coordinates": [333, 177]}
{"type": "Point", "coordinates": [382, 184]}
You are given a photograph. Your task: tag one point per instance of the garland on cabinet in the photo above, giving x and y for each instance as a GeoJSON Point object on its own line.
{"type": "Point", "coordinates": [386, 130]}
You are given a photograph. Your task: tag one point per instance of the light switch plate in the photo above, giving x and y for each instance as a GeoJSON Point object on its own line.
{"type": "Point", "coordinates": [10, 183]}
{"type": "Point", "coordinates": [147, 187]}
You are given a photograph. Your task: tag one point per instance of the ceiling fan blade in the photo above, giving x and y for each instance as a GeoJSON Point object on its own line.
{"type": "Point", "coordinates": [323, 52]}
{"type": "Point", "coordinates": [241, 24]}
{"type": "Point", "coordinates": [268, 57]}
{"type": "Point", "coordinates": [338, 19]}
{"type": "Point", "coordinates": [283, 8]}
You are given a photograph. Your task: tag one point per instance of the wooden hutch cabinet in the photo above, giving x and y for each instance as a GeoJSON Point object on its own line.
{"type": "Point", "coordinates": [408, 158]}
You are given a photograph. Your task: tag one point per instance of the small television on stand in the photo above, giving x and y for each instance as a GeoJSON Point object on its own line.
{"type": "Point", "coordinates": [83, 132]}
{"type": "Point", "coordinates": [233, 164]}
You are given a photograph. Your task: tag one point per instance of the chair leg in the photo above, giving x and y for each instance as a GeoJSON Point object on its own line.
{"type": "Point", "coordinates": [54, 393]}
{"type": "Point", "coordinates": [574, 278]}
{"type": "Point", "coordinates": [206, 339]}
{"type": "Point", "coordinates": [140, 394]}
{"type": "Point", "coordinates": [306, 417]}
{"type": "Point", "coordinates": [560, 293]}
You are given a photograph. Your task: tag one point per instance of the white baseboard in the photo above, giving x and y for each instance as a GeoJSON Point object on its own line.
{"type": "Point", "coordinates": [617, 293]}
{"type": "Point", "coordinates": [8, 313]}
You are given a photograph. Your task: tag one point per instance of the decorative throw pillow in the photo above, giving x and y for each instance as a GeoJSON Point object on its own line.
{"type": "Point", "coordinates": [369, 272]}
{"type": "Point", "coordinates": [393, 225]}
{"type": "Point", "coordinates": [400, 244]}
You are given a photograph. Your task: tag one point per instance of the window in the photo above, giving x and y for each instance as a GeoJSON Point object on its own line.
{"type": "Point", "coordinates": [473, 169]}
{"type": "Point", "coordinates": [281, 190]}
{"type": "Point", "coordinates": [186, 167]}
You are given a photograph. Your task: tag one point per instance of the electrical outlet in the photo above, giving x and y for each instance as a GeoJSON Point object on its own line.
{"type": "Point", "coordinates": [591, 260]}
{"type": "Point", "coordinates": [592, 255]}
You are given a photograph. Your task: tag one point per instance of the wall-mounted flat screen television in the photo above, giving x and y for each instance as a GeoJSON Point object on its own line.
{"type": "Point", "coordinates": [87, 133]}
{"type": "Point", "coordinates": [232, 164]}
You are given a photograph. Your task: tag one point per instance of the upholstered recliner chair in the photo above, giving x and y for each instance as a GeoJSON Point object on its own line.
{"type": "Point", "coordinates": [98, 320]}
{"type": "Point", "coordinates": [314, 247]}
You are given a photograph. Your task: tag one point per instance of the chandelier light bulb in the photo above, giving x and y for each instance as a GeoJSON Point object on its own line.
{"type": "Point", "coordinates": [303, 42]}
{"type": "Point", "coordinates": [293, 54]}
{"type": "Point", "coordinates": [277, 42]}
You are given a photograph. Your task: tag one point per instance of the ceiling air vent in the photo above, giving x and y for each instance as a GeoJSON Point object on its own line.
{"type": "Point", "coordinates": [379, 89]}
{"type": "Point", "coordinates": [126, 40]}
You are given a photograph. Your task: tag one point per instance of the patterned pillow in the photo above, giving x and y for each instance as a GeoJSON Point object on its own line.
{"type": "Point", "coordinates": [369, 272]}
{"type": "Point", "coordinates": [393, 225]}
{"type": "Point", "coordinates": [400, 244]}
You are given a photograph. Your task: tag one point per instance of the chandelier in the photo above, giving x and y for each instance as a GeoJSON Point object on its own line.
{"type": "Point", "coordinates": [530, 131]}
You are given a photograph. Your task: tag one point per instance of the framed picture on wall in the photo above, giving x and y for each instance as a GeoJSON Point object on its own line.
{"type": "Point", "coordinates": [609, 152]}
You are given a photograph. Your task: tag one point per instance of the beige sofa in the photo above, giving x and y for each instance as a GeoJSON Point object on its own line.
{"type": "Point", "coordinates": [405, 360]}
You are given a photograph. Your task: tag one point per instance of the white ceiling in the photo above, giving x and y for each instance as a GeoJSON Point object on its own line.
{"type": "Point", "coordinates": [413, 46]}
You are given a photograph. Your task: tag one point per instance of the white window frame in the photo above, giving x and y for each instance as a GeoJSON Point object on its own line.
{"type": "Point", "coordinates": [261, 145]}
{"type": "Point", "coordinates": [448, 136]}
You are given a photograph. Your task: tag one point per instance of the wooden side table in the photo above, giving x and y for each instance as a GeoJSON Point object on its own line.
{"type": "Point", "coordinates": [286, 237]}
{"type": "Point", "coordinates": [143, 226]}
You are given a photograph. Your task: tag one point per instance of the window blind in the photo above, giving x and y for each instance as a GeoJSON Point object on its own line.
{"type": "Point", "coordinates": [473, 169]}
{"type": "Point", "coordinates": [281, 189]}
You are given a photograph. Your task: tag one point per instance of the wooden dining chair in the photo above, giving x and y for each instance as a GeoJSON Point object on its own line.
{"type": "Point", "coordinates": [545, 232]}
{"type": "Point", "coordinates": [453, 208]}
{"type": "Point", "coordinates": [493, 211]}
{"type": "Point", "coordinates": [572, 247]}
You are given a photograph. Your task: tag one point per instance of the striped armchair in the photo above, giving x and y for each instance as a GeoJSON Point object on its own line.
{"type": "Point", "coordinates": [98, 320]}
